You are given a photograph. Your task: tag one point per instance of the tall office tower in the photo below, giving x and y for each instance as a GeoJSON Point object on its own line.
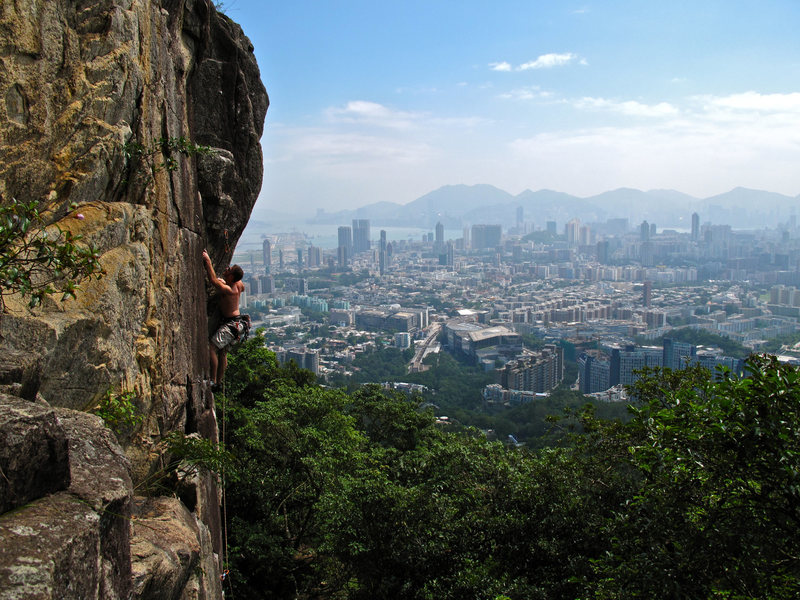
{"type": "Point", "coordinates": [439, 234]}
{"type": "Point", "coordinates": [314, 256]}
{"type": "Point", "coordinates": [644, 231]}
{"type": "Point", "coordinates": [360, 235]}
{"type": "Point", "coordinates": [551, 228]}
{"type": "Point", "coordinates": [302, 286]}
{"type": "Point", "coordinates": [695, 227]}
{"type": "Point", "coordinates": [585, 235]}
{"type": "Point", "coordinates": [572, 232]}
{"type": "Point", "coordinates": [266, 249]}
{"type": "Point", "coordinates": [602, 252]}
{"type": "Point", "coordinates": [342, 256]}
{"type": "Point", "coordinates": [486, 236]}
{"type": "Point", "coordinates": [382, 253]}
{"type": "Point", "coordinates": [465, 237]}
{"type": "Point", "coordinates": [646, 254]}
{"type": "Point", "coordinates": [280, 259]}
{"type": "Point", "coordinates": [450, 255]}
{"type": "Point", "coordinates": [647, 293]}
{"type": "Point", "coordinates": [652, 230]}
{"type": "Point", "coordinates": [299, 258]}
{"type": "Point", "coordinates": [346, 238]}
{"type": "Point", "coordinates": [520, 218]}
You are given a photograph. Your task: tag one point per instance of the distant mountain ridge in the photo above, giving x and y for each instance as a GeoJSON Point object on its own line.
{"type": "Point", "coordinates": [457, 206]}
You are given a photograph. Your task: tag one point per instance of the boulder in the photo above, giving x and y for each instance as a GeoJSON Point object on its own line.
{"type": "Point", "coordinates": [73, 543]}
{"type": "Point", "coordinates": [34, 457]}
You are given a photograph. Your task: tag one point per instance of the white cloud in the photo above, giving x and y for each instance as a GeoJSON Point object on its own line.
{"type": "Point", "coordinates": [330, 147]}
{"type": "Point", "coordinates": [548, 61]}
{"type": "Point", "coordinates": [753, 101]}
{"type": "Point", "coordinates": [526, 93]}
{"type": "Point", "coordinates": [704, 148]}
{"type": "Point", "coordinates": [631, 108]}
{"type": "Point", "coordinates": [372, 114]}
{"type": "Point", "coordinates": [702, 145]}
{"type": "Point", "coordinates": [500, 66]}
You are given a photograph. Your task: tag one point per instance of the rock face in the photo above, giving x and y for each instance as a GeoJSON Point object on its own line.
{"type": "Point", "coordinates": [87, 87]}
{"type": "Point", "coordinates": [73, 539]}
{"type": "Point", "coordinates": [33, 453]}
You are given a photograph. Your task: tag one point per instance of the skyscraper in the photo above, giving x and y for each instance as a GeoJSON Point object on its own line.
{"type": "Point", "coordinates": [314, 256]}
{"type": "Point", "coordinates": [520, 218]}
{"type": "Point", "coordinates": [439, 233]}
{"type": "Point", "coordinates": [695, 227]}
{"type": "Point", "coordinates": [644, 231]}
{"type": "Point", "coordinates": [572, 230]}
{"type": "Point", "coordinates": [360, 235]}
{"type": "Point", "coordinates": [267, 255]}
{"type": "Point", "coordinates": [346, 238]}
{"type": "Point", "coordinates": [382, 253]}
{"type": "Point", "coordinates": [602, 252]}
{"type": "Point", "coordinates": [486, 236]}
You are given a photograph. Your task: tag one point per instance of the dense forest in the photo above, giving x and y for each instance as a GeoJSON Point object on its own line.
{"type": "Point", "coordinates": [362, 495]}
{"type": "Point", "coordinates": [455, 388]}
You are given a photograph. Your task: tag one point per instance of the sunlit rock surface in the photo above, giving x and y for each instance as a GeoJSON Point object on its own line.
{"type": "Point", "coordinates": [81, 81]}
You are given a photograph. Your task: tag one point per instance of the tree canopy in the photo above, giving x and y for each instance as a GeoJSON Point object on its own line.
{"type": "Point", "coordinates": [364, 495]}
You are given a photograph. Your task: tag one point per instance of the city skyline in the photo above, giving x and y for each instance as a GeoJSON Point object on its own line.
{"type": "Point", "coordinates": [373, 102]}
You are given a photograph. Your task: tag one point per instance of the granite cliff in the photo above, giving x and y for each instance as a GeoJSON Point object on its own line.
{"type": "Point", "coordinates": [81, 83]}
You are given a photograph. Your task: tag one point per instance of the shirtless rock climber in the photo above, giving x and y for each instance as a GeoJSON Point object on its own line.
{"type": "Point", "coordinates": [234, 325]}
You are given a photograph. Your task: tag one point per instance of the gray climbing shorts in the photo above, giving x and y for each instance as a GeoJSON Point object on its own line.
{"type": "Point", "coordinates": [230, 332]}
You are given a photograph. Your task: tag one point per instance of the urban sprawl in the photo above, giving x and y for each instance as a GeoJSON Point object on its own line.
{"type": "Point", "coordinates": [598, 293]}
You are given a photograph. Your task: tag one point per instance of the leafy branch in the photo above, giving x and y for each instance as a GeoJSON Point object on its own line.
{"type": "Point", "coordinates": [37, 259]}
{"type": "Point", "coordinates": [167, 148]}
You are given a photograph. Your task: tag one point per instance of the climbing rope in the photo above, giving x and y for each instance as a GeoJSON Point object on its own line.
{"type": "Point", "coordinates": [226, 561]}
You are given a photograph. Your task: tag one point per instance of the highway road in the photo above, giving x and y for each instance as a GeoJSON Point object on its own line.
{"type": "Point", "coordinates": [415, 366]}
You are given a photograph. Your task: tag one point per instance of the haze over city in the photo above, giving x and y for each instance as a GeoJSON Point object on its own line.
{"type": "Point", "coordinates": [387, 102]}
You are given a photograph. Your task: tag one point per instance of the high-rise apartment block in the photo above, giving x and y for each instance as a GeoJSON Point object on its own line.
{"type": "Point", "coordinates": [314, 256]}
{"type": "Point", "coordinates": [345, 236]}
{"type": "Point", "coordinates": [486, 236]}
{"type": "Point", "coordinates": [361, 238]}
{"type": "Point", "coordinates": [439, 234]}
{"type": "Point", "coordinates": [676, 354]}
{"type": "Point", "coordinates": [540, 372]}
{"type": "Point", "coordinates": [266, 249]}
{"type": "Point", "coordinates": [572, 231]}
{"type": "Point", "coordinates": [644, 231]}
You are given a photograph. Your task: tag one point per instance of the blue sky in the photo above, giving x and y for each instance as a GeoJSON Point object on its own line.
{"type": "Point", "coordinates": [386, 101]}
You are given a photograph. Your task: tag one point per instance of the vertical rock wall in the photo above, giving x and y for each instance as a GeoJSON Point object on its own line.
{"type": "Point", "coordinates": [81, 81]}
